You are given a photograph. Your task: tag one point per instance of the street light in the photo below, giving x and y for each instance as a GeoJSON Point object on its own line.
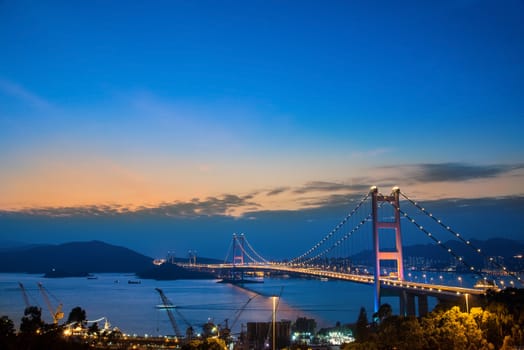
{"type": "Point", "coordinates": [274, 318]}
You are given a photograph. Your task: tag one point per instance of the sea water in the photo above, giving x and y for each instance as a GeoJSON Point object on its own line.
{"type": "Point", "coordinates": [132, 307]}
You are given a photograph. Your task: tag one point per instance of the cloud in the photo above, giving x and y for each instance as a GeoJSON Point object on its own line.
{"type": "Point", "coordinates": [456, 171]}
{"type": "Point", "coordinates": [73, 211]}
{"type": "Point", "coordinates": [324, 186]}
{"type": "Point", "coordinates": [211, 206]}
{"type": "Point", "coordinates": [276, 191]}
{"type": "Point", "coordinates": [334, 200]}
{"type": "Point", "coordinates": [22, 94]}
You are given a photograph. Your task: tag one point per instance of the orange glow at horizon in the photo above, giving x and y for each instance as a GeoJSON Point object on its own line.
{"type": "Point", "coordinates": [101, 181]}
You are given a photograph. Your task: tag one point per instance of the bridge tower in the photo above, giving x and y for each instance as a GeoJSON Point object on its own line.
{"type": "Point", "coordinates": [238, 249]}
{"type": "Point", "coordinates": [379, 227]}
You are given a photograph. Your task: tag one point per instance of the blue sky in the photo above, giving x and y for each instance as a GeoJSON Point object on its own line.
{"type": "Point", "coordinates": [263, 106]}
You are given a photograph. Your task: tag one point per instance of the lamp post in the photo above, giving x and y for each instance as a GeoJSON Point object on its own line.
{"type": "Point", "coordinates": [274, 318]}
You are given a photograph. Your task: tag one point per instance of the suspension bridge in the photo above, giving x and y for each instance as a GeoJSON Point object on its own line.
{"type": "Point", "coordinates": [377, 218]}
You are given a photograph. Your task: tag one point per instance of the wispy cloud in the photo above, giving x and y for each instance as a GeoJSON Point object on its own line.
{"type": "Point", "coordinates": [324, 186]}
{"type": "Point", "coordinates": [334, 200]}
{"type": "Point", "coordinates": [277, 190]}
{"type": "Point", "coordinates": [452, 172]}
{"type": "Point", "coordinates": [73, 211]}
{"type": "Point", "coordinates": [23, 95]}
{"type": "Point", "coordinates": [211, 206]}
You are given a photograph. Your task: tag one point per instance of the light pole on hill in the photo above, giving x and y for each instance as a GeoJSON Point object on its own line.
{"type": "Point", "coordinates": [274, 319]}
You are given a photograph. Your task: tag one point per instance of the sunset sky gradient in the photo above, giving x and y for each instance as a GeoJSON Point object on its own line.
{"type": "Point", "coordinates": [222, 108]}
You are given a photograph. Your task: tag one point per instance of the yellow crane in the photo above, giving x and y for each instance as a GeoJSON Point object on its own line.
{"type": "Point", "coordinates": [57, 315]}
{"type": "Point", "coordinates": [24, 294]}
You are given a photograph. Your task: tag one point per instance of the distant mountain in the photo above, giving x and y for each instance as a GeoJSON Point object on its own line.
{"type": "Point", "coordinates": [78, 259]}
{"type": "Point", "coordinates": [504, 251]}
{"type": "Point", "coordinates": [7, 245]}
{"type": "Point", "coordinates": [73, 258]}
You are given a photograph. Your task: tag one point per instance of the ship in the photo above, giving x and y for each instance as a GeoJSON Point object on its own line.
{"type": "Point", "coordinates": [486, 284]}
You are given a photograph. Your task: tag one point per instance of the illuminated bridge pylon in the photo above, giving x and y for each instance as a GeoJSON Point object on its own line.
{"type": "Point", "coordinates": [238, 249]}
{"type": "Point", "coordinates": [242, 252]}
{"type": "Point", "coordinates": [381, 254]}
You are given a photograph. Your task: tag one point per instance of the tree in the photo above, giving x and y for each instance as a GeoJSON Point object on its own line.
{"type": "Point", "coordinates": [384, 311]}
{"type": "Point", "coordinates": [362, 326]}
{"type": "Point", "coordinates": [94, 329]}
{"type": "Point", "coordinates": [7, 327]}
{"type": "Point", "coordinates": [453, 330]}
{"type": "Point", "coordinates": [401, 333]}
{"type": "Point", "coordinates": [32, 321]}
{"type": "Point", "coordinates": [7, 333]}
{"type": "Point", "coordinates": [77, 315]}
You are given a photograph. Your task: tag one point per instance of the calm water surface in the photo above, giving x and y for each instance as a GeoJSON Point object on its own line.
{"type": "Point", "coordinates": [132, 307]}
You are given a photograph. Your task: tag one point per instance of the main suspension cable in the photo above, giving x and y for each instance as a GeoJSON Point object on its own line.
{"type": "Point", "coordinates": [439, 242]}
{"type": "Point", "coordinates": [466, 242]}
{"type": "Point", "coordinates": [331, 233]}
{"type": "Point", "coordinates": [342, 239]}
{"type": "Point", "coordinates": [254, 251]}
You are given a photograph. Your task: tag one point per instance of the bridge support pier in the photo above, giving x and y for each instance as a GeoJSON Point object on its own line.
{"type": "Point", "coordinates": [408, 304]}
{"type": "Point", "coordinates": [422, 305]}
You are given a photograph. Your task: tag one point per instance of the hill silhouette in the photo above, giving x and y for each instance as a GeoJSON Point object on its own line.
{"type": "Point", "coordinates": [77, 259]}
{"type": "Point", "coordinates": [503, 250]}
{"type": "Point", "coordinates": [74, 258]}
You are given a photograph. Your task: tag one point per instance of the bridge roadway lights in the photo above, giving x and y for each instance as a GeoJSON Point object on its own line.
{"type": "Point", "coordinates": [406, 291]}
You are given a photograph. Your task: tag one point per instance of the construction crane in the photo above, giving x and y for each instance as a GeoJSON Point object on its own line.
{"type": "Point", "coordinates": [57, 314]}
{"type": "Point", "coordinates": [226, 332]}
{"type": "Point", "coordinates": [239, 311]}
{"type": "Point", "coordinates": [168, 305]}
{"type": "Point", "coordinates": [24, 294]}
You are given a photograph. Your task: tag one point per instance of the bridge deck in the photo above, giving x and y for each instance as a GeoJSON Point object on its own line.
{"type": "Point", "coordinates": [434, 290]}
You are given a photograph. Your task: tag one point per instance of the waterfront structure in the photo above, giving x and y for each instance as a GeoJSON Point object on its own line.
{"type": "Point", "coordinates": [413, 296]}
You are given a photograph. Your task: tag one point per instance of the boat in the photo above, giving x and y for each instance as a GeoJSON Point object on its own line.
{"type": "Point", "coordinates": [324, 279]}
{"type": "Point", "coordinates": [134, 282]}
{"type": "Point", "coordinates": [486, 284]}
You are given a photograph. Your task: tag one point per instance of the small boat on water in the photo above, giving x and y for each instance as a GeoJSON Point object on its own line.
{"type": "Point", "coordinates": [486, 284]}
{"type": "Point", "coordinates": [134, 282]}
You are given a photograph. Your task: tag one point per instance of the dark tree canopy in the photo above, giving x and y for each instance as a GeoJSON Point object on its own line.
{"type": "Point", "coordinates": [32, 320]}
{"type": "Point", "coordinates": [362, 326]}
{"type": "Point", "coordinates": [77, 314]}
{"type": "Point", "coordinates": [7, 327]}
